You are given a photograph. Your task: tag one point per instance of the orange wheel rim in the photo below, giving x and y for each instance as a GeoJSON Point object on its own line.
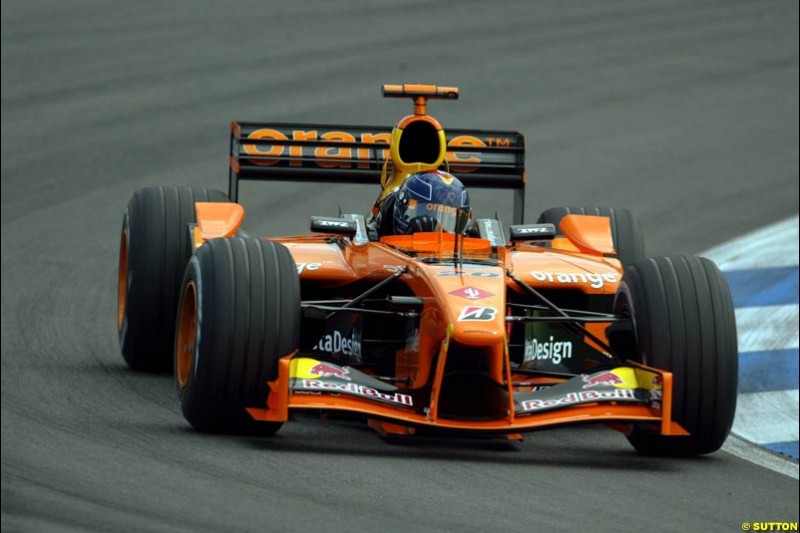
{"type": "Point", "coordinates": [187, 334]}
{"type": "Point", "coordinates": [122, 282]}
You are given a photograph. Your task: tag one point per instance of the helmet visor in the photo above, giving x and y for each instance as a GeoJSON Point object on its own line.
{"type": "Point", "coordinates": [448, 218]}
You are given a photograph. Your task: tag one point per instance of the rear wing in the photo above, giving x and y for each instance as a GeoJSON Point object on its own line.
{"type": "Point", "coordinates": [357, 154]}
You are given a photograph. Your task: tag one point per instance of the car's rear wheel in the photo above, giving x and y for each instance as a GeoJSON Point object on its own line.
{"type": "Point", "coordinates": [239, 314]}
{"type": "Point", "coordinates": [154, 249]}
{"type": "Point", "coordinates": [625, 232]}
{"type": "Point", "coordinates": [683, 322]}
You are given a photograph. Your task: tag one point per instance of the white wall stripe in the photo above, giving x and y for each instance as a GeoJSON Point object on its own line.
{"type": "Point", "coordinates": [764, 417]}
{"type": "Point", "coordinates": [771, 327]}
{"type": "Point", "coordinates": [773, 246]}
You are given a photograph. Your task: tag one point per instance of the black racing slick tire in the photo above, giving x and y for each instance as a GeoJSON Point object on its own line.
{"type": "Point", "coordinates": [239, 313]}
{"type": "Point", "coordinates": [154, 249]}
{"type": "Point", "coordinates": [628, 238]}
{"type": "Point", "coordinates": [684, 323]}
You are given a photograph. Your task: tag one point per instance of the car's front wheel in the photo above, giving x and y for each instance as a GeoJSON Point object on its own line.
{"type": "Point", "coordinates": [683, 322]}
{"type": "Point", "coordinates": [239, 313]}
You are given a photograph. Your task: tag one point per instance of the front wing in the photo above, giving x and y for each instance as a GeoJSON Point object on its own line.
{"type": "Point", "coordinates": [623, 394]}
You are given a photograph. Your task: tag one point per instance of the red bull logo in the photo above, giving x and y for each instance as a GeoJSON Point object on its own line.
{"type": "Point", "coordinates": [327, 370]}
{"type": "Point", "coordinates": [573, 398]}
{"type": "Point", "coordinates": [315, 385]}
{"type": "Point", "coordinates": [604, 378]}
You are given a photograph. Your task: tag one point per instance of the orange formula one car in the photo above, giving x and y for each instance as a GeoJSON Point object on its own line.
{"type": "Point", "coordinates": [449, 326]}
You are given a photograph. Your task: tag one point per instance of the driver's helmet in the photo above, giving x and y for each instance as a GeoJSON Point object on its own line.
{"type": "Point", "coordinates": [428, 201]}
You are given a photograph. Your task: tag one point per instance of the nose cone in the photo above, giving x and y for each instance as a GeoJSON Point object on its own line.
{"type": "Point", "coordinates": [475, 300]}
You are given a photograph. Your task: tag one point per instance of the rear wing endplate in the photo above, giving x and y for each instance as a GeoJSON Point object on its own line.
{"type": "Point", "coordinates": [357, 154]}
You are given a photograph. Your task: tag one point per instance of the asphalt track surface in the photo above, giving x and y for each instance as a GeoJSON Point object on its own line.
{"type": "Point", "coordinates": [686, 111]}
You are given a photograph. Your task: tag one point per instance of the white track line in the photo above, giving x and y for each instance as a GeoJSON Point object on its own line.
{"type": "Point", "coordinates": [754, 453]}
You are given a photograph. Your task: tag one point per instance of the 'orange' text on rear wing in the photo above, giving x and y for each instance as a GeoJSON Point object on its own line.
{"type": "Point", "coordinates": [357, 154]}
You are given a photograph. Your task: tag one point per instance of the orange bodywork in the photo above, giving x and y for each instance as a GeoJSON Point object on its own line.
{"type": "Point", "coordinates": [218, 219]}
{"type": "Point", "coordinates": [589, 234]}
{"type": "Point", "coordinates": [442, 324]}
